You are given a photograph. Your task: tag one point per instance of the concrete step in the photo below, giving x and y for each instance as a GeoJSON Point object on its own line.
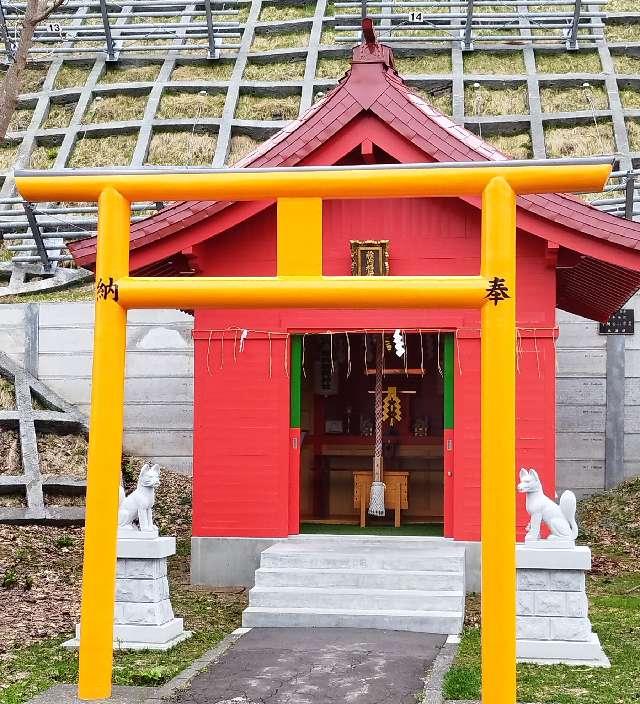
{"type": "Point", "coordinates": [359, 578]}
{"type": "Point", "coordinates": [321, 598]}
{"type": "Point", "coordinates": [280, 555]}
{"type": "Point", "coordinates": [418, 621]}
{"type": "Point", "coordinates": [370, 543]}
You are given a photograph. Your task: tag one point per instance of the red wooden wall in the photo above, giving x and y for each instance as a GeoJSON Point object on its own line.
{"type": "Point", "coordinates": [241, 442]}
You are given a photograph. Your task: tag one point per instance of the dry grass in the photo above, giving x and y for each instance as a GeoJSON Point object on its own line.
{"type": "Point", "coordinates": [32, 80]}
{"type": "Point", "coordinates": [272, 41]}
{"type": "Point", "coordinates": [95, 152]}
{"type": "Point", "coordinates": [10, 461]}
{"type": "Point", "coordinates": [331, 68]}
{"type": "Point", "coordinates": [7, 155]}
{"type": "Point", "coordinates": [440, 99]}
{"type": "Point", "coordinates": [427, 64]}
{"type": "Point", "coordinates": [59, 115]}
{"type": "Point", "coordinates": [517, 146]}
{"type": "Point", "coordinates": [328, 36]}
{"type": "Point", "coordinates": [633, 130]}
{"type": "Point", "coordinates": [191, 105]}
{"type": "Point", "coordinates": [261, 107]}
{"type": "Point", "coordinates": [574, 99]}
{"type": "Point", "coordinates": [130, 74]}
{"type": "Point", "coordinates": [628, 32]}
{"type": "Point", "coordinates": [581, 140]}
{"type": "Point", "coordinates": [71, 76]}
{"type": "Point", "coordinates": [13, 501]}
{"type": "Point", "coordinates": [203, 72]}
{"type": "Point", "coordinates": [181, 149]}
{"type": "Point", "coordinates": [58, 498]}
{"type": "Point", "coordinates": [115, 108]}
{"type": "Point", "coordinates": [627, 63]}
{"type": "Point", "coordinates": [487, 62]}
{"type": "Point", "coordinates": [271, 13]}
{"type": "Point", "coordinates": [621, 5]}
{"type": "Point", "coordinates": [20, 120]}
{"type": "Point", "coordinates": [62, 455]}
{"type": "Point", "coordinates": [569, 62]}
{"type": "Point", "coordinates": [7, 395]}
{"type": "Point", "coordinates": [43, 157]}
{"type": "Point", "coordinates": [277, 71]}
{"type": "Point", "coordinates": [239, 147]}
{"type": "Point", "coordinates": [484, 100]}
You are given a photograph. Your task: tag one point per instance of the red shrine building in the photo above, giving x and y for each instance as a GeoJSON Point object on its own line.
{"type": "Point", "coordinates": [283, 404]}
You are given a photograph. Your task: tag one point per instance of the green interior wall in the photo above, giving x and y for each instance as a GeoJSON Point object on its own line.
{"type": "Point", "coordinates": [448, 381]}
{"type": "Point", "coordinates": [296, 381]}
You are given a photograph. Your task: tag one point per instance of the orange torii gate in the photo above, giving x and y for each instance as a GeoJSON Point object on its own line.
{"type": "Point", "coordinates": [299, 283]}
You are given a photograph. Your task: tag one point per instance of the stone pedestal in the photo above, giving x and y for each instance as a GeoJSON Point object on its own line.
{"type": "Point", "coordinates": [144, 617]}
{"type": "Point", "coordinates": [553, 621]}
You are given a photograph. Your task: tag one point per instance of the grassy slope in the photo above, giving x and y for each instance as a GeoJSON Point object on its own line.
{"type": "Point", "coordinates": [41, 600]}
{"type": "Point", "coordinates": [610, 525]}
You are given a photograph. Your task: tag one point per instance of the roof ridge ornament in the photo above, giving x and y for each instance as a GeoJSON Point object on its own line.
{"type": "Point", "coordinates": [370, 51]}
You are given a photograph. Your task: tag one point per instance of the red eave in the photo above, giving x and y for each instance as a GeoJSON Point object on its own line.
{"type": "Point", "coordinates": [609, 245]}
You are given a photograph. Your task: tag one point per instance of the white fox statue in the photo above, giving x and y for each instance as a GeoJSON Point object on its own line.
{"type": "Point", "coordinates": [560, 519]}
{"type": "Point", "coordinates": [139, 504]}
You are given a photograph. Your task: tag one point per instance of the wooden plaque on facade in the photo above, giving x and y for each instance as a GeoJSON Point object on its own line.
{"type": "Point", "coordinates": [369, 257]}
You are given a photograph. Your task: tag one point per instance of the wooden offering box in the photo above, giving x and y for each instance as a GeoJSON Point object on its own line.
{"type": "Point", "coordinates": [395, 494]}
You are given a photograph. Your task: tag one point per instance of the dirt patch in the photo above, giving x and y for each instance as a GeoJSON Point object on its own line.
{"type": "Point", "coordinates": [10, 451]}
{"type": "Point", "coordinates": [63, 455]}
{"type": "Point", "coordinates": [41, 566]}
{"type": "Point", "coordinates": [58, 498]}
{"type": "Point", "coordinates": [40, 569]}
{"type": "Point", "coordinates": [610, 524]}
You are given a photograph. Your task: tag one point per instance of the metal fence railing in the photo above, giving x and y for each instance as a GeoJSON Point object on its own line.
{"type": "Point", "coordinates": [469, 22]}
{"type": "Point", "coordinates": [132, 26]}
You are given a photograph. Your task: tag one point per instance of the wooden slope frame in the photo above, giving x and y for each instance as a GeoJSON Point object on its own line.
{"type": "Point", "coordinates": [300, 284]}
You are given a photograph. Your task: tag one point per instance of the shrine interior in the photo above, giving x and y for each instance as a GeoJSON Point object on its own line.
{"type": "Point", "coordinates": [338, 423]}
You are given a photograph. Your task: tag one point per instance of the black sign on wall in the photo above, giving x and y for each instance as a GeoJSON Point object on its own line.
{"type": "Point", "coordinates": [620, 323]}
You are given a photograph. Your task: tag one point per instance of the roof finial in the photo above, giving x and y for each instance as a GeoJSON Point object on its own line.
{"type": "Point", "coordinates": [368, 32]}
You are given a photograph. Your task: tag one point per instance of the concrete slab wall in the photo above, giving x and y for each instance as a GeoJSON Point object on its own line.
{"type": "Point", "coordinates": [159, 384]}
{"type": "Point", "coordinates": [597, 404]}
{"type": "Point", "coordinates": [581, 391]}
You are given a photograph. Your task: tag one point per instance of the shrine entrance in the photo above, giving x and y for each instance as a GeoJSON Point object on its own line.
{"type": "Point", "coordinates": [338, 420]}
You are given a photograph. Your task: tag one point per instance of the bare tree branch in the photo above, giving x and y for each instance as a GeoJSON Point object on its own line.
{"type": "Point", "coordinates": [35, 12]}
{"type": "Point", "coordinates": [46, 12]}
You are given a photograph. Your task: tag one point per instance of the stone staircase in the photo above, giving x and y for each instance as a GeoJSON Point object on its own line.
{"type": "Point", "coordinates": [402, 584]}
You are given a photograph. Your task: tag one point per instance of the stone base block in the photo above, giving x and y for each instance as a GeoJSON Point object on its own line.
{"type": "Point", "coordinates": [143, 613]}
{"type": "Point", "coordinates": [146, 549]}
{"type": "Point", "coordinates": [544, 652]}
{"type": "Point", "coordinates": [147, 590]}
{"type": "Point", "coordinates": [133, 637]}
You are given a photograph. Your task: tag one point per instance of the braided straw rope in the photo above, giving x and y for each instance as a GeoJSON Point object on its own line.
{"type": "Point", "coordinates": [376, 500]}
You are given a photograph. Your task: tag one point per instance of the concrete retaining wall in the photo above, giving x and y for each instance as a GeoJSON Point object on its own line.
{"type": "Point", "coordinates": [54, 341]}
{"type": "Point", "coordinates": [598, 404]}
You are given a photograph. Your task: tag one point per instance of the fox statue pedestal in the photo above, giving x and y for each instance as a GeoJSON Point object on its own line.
{"type": "Point", "coordinates": [144, 617]}
{"type": "Point", "coordinates": [553, 619]}
{"type": "Point", "coordinates": [553, 612]}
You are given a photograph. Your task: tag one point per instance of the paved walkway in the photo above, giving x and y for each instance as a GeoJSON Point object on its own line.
{"type": "Point", "coordinates": [317, 666]}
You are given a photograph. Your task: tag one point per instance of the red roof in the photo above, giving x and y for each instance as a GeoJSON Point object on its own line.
{"type": "Point", "coordinates": [596, 283]}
